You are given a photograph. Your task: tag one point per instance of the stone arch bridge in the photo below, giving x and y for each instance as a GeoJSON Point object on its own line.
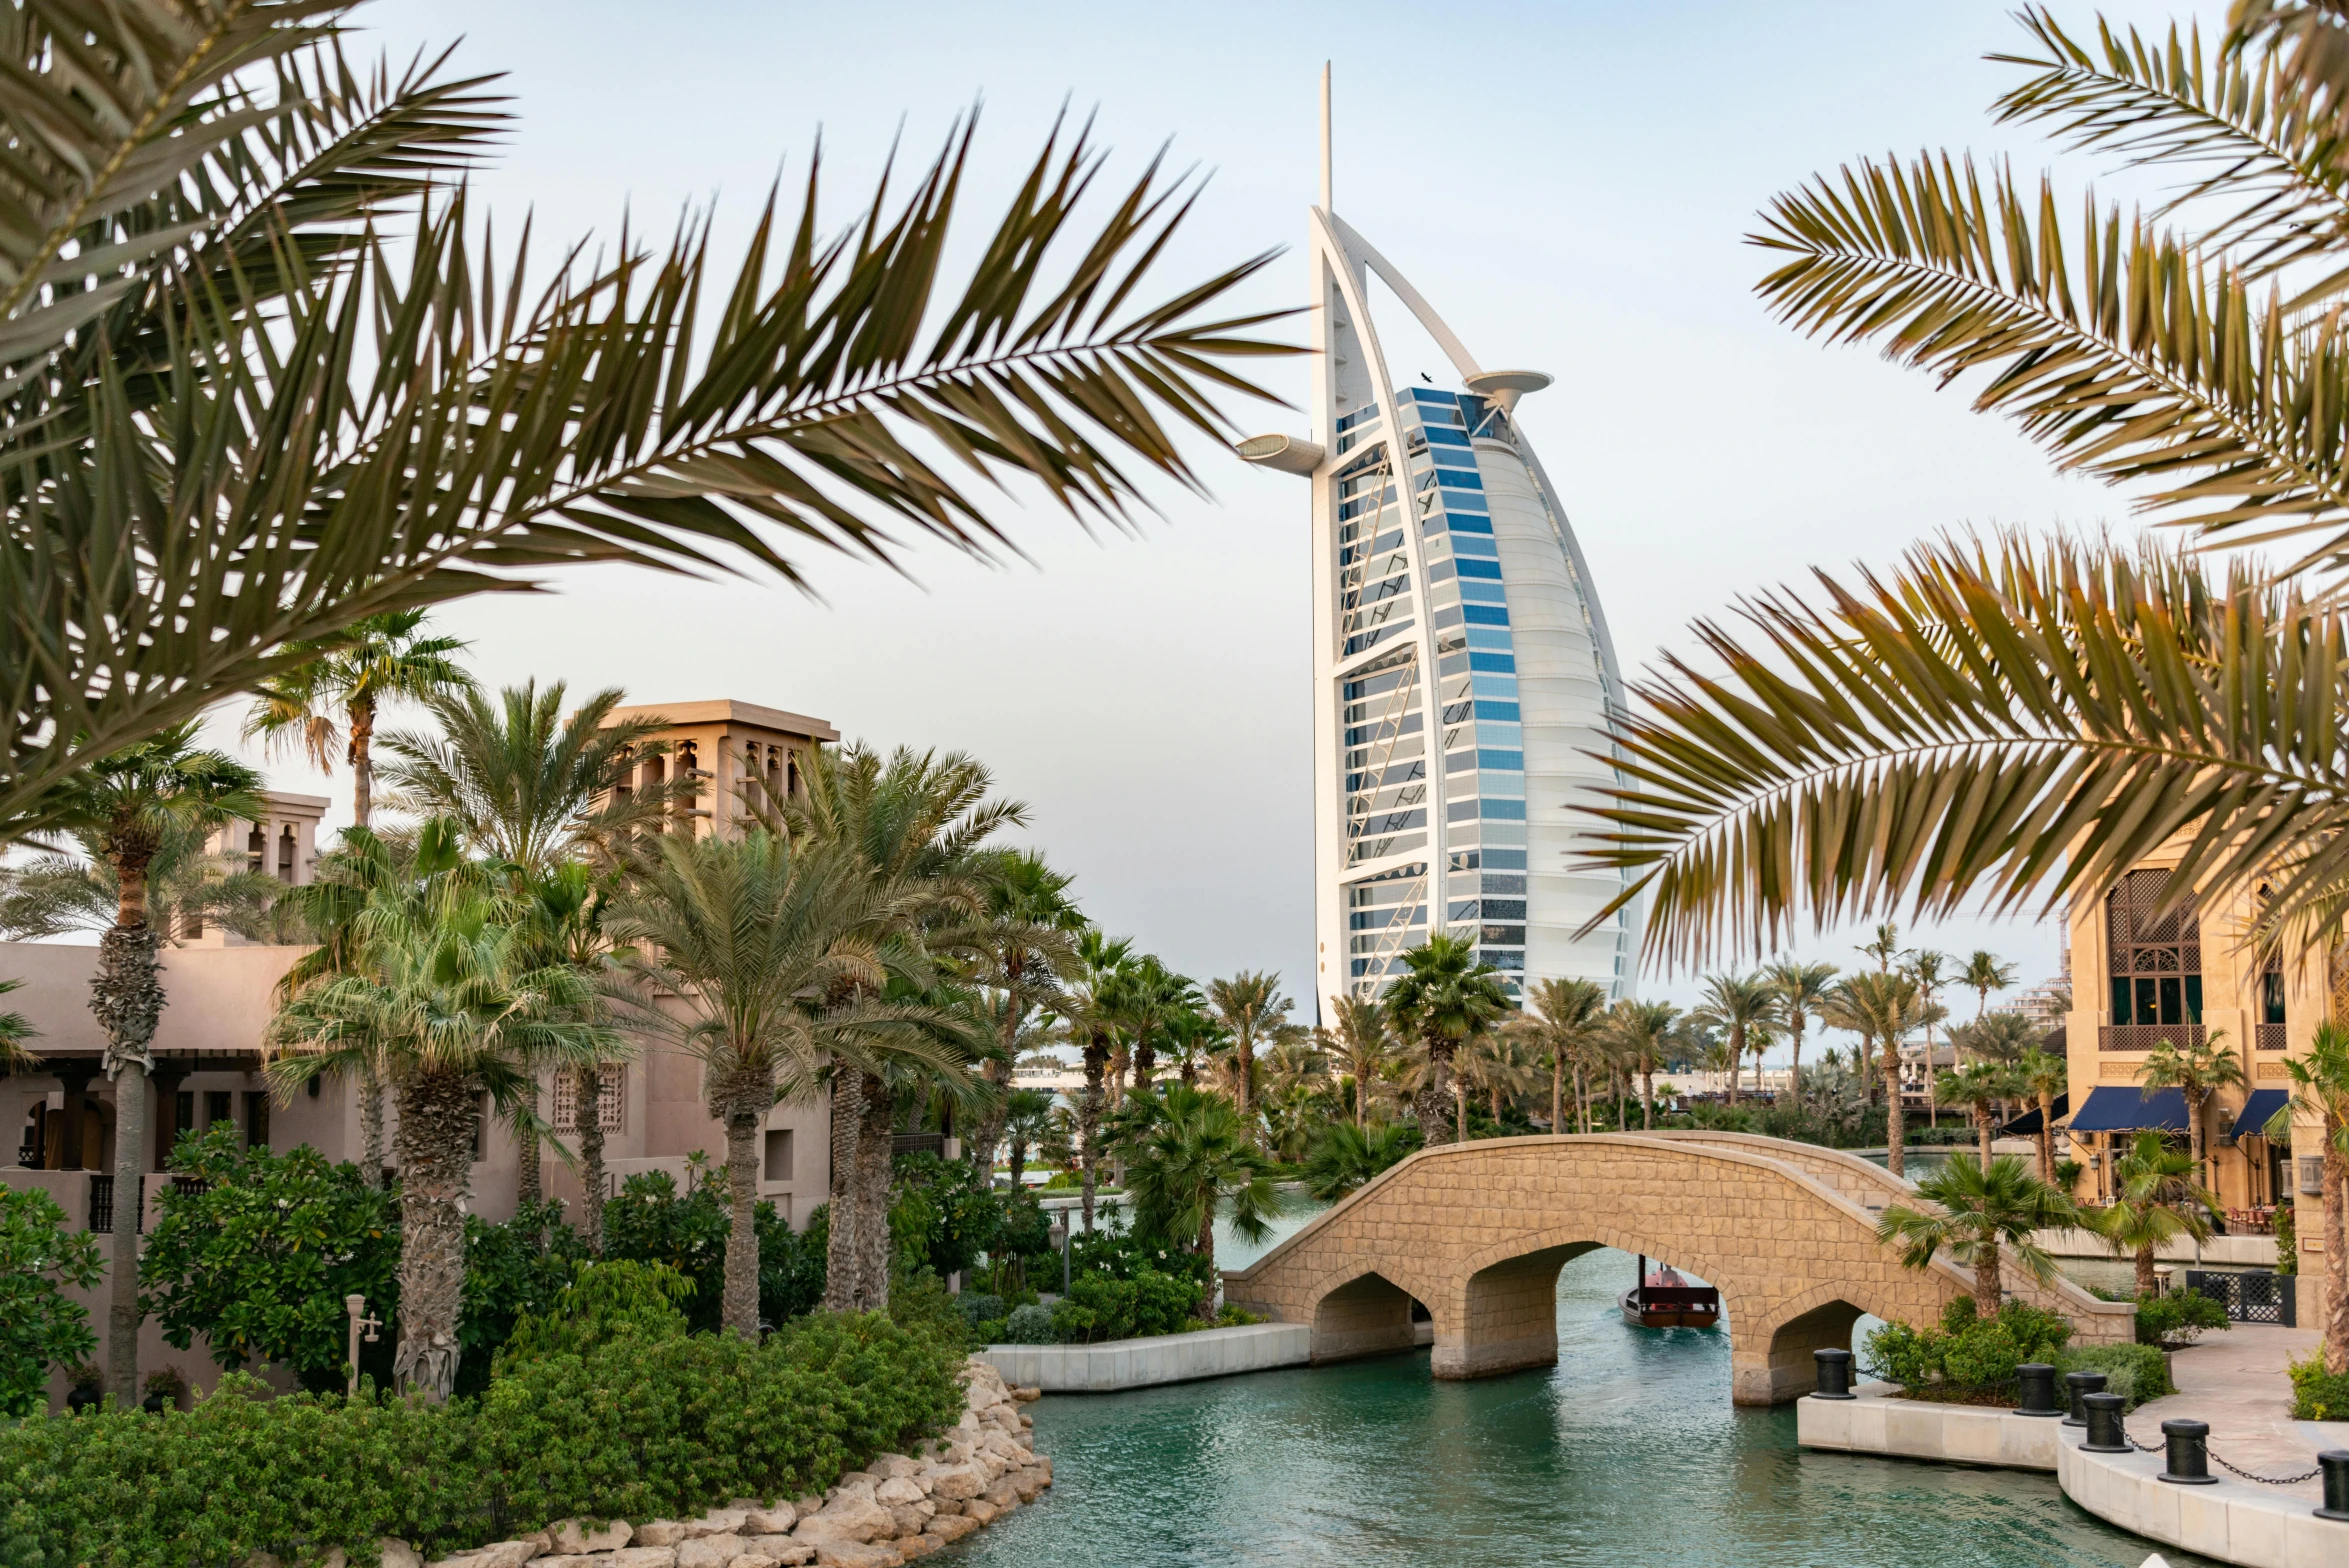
{"type": "Point", "coordinates": [1477, 1232]}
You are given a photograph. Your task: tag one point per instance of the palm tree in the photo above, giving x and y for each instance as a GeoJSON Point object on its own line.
{"type": "Point", "coordinates": [1344, 1157]}
{"type": "Point", "coordinates": [1998, 1037]}
{"type": "Point", "coordinates": [563, 911]}
{"type": "Point", "coordinates": [1924, 965]}
{"type": "Point", "coordinates": [1882, 1008]}
{"type": "Point", "coordinates": [1560, 1018]}
{"type": "Point", "coordinates": [1501, 1065]}
{"type": "Point", "coordinates": [1025, 949]}
{"type": "Point", "coordinates": [920, 821]}
{"type": "Point", "coordinates": [1741, 1006]}
{"type": "Point", "coordinates": [1802, 990]}
{"type": "Point", "coordinates": [530, 784]}
{"type": "Point", "coordinates": [15, 1030]}
{"type": "Point", "coordinates": [1365, 1042]}
{"type": "Point", "coordinates": [329, 700]}
{"type": "Point", "coordinates": [189, 888]}
{"type": "Point", "coordinates": [2320, 1092]}
{"type": "Point", "coordinates": [1640, 1034]}
{"type": "Point", "coordinates": [1884, 946]}
{"type": "Point", "coordinates": [2155, 1201]}
{"type": "Point", "coordinates": [1982, 1090]}
{"type": "Point", "coordinates": [2196, 1071]}
{"type": "Point", "coordinates": [777, 954]}
{"type": "Point", "coordinates": [446, 1001]}
{"type": "Point", "coordinates": [1090, 1009]}
{"type": "Point", "coordinates": [1250, 1007]}
{"type": "Point", "coordinates": [1977, 1213]}
{"type": "Point", "coordinates": [2044, 1076]}
{"type": "Point", "coordinates": [1443, 998]}
{"type": "Point", "coordinates": [1027, 1124]}
{"type": "Point", "coordinates": [498, 425]}
{"type": "Point", "coordinates": [1189, 1154]}
{"type": "Point", "coordinates": [127, 808]}
{"type": "Point", "coordinates": [1985, 972]}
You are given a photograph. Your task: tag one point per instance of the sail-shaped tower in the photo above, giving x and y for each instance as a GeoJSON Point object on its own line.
{"type": "Point", "coordinates": [1462, 671]}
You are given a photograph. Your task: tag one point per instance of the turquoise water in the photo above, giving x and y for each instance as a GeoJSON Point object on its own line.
{"type": "Point", "coordinates": [1628, 1455]}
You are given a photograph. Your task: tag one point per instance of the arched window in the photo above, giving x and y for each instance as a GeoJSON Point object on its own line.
{"type": "Point", "coordinates": [2154, 960]}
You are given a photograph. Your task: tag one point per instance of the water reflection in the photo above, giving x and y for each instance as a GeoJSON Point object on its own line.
{"type": "Point", "coordinates": [1628, 1453]}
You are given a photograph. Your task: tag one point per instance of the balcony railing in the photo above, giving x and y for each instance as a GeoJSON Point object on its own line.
{"type": "Point", "coordinates": [102, 1205]}
{"type": "Point", "coordinates": [2267, 1037]}
{"type": "Point", "coordinates": [2144, 1037]}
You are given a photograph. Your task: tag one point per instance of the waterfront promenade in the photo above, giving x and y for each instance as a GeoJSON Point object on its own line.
{"type": "Point", "coordinates": [2237, 1382]}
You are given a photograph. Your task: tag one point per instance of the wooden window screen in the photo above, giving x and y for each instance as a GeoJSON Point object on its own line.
{"type": "Point", "coordinates": [610, 1100]}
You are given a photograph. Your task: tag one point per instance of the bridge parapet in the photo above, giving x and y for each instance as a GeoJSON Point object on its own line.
{"type": "Point", "coordinates": [1476, 1233]}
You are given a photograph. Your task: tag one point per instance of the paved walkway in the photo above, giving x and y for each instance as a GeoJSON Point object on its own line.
{"type": "Point", "coordinates": [2236, 1381]}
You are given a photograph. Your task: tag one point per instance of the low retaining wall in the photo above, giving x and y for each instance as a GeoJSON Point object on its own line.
{"type": "Point", "coordinates": [1876, 1421]}
{"type": "Point", "coordinates": [1143, 1363]}
{"type": "Point", "coordinates": [2230, 1520]}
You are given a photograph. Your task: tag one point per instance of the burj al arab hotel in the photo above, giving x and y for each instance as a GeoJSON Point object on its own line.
{"type": "Point", "coordinates": [1462, 671]}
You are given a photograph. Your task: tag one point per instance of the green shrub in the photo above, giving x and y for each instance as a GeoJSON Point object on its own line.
{"type": "Point", "coordinates": [40, 1325]}
{"type": "Point", "coordinates": [603, 1302]}
{"type": "Point", "coordinates": [2287, 1241]}
{"type": "Point", "coordinates": [1029, 1325]}
{"type": "Point", "coordinates": [2135, 1372]}
{"type": "Point", "coordinates": [2177, 1319]}
{"type": "Point", "coordinates": [1100, 1307]}
{"type": "Point", "coordinates": [650, 1223]}
{"type": "Point", "coordinates": [1966, 1354]}
{"type": "Point", "coordinates": [2318, 1395]}
{"type": "Point", "coordinates": [978, 1307]}
{"type": "Point", "coordinates": [634, 1426]}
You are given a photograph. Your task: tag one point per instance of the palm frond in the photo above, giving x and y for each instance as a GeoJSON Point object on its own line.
{"type": "Point", "coordinates": [2005, 725]}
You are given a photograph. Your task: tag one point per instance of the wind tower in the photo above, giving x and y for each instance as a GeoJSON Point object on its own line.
{"type": "Point", "coordinates": [1457, 637]}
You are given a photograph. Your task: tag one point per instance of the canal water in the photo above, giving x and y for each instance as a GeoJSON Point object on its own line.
{"type": "Point", "coordinates": [1627, 1455]}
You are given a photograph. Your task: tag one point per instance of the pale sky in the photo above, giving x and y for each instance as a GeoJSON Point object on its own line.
{"type": "Point", "coordinates": [1568, 183]}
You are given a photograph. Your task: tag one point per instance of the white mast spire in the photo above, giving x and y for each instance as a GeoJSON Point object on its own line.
{"type": "Point", "coordinates": [1325, 180]}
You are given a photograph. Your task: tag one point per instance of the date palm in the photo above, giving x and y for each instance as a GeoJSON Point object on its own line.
{"type": "Point", "coordinates": [1983, 973]}
{"type": "Point", "coordinates": [777, 955]}
{"type": "Point", "coordinates": [2044, 1076]}
{"type": "Point", "coordinates": [189, 889]}
{"type": "Point", "coordinates": [264, 375]}
{"type": "Point", "coordinates": [1881, 1007]}
{"type": "Point", "coordinates": [2197, 1071]}
{"type": "Point", "coordinates": [1803, 990]}
{"type": "Point", "coordinates": [2155, 1201]}
{"type": "Point", "coordinates": [446, 999]}
{"type": "Point", "coordinates": [127, 808]}
{"type": "Point", "coordinates": [1345, 1157]}
{"type": "Point", "coordinates": [1027, 1124]}
{"type": "Point", "coordinates": [1741, 1007]}
{"type": "Point", "coordinates": [1365, 1042]}
{"type": "Point", "coordinates": [1251, 1009]}
{"type": "Point", "coordinates": [1189, 1153]}
{"type": "Point", "coordinates": [1978, 1214]}
{"type": "Point", "coordinates": [528, 783]}
{"type": "Point", "coordinates": [1090, 1010]}
{"type": "Point", "coordinates": [330, 700]}
{"type": "Point", "coordinates": [1639, 1035]}
{"type": "Point", "coordinates": [16, 1033]}
{"type": "Point", "coordinates": [1443, 998]}
{"type": "Point", "coordinates": [1998, 1037]}
{"type": "Point", "coordinates": [1024, 951]}
{"type": "Point", "coordinates": [1982, 1091]}
{"type": "Point", "coordinates": [1929, 970]}
{"type": "Point", "coordinates": [1560, 1019]}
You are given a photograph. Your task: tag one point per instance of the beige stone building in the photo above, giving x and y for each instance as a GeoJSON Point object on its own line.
{"type": "Point", "coordinates": [57, 1121]}
{"type": "Point", "coordinates": [2191, 977]}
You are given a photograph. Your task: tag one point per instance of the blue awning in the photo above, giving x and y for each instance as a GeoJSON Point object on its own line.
{"type": "Point", "coordinates": [2258, 1111]}
{"type": "Point", "coordinates": [2114, 1109]}
{"type": "Point", "coordinates": [2027, 1124]}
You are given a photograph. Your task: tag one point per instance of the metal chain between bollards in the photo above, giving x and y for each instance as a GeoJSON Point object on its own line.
{"type": "Point", "coordinates": [2268, 1480]}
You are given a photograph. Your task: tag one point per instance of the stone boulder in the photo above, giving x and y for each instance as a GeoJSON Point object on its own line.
{"type": "Point", "coordinates": [662, 1532]}
{"type": "Point", "coordinates": [399, 1554]}
{"type": "Point", "coordinates": [710, 1551]}
{"type": "Point", "coordinates": [718, 1521]}
{"type": "Point", "coordinates": [779, 1548]}
{"type": "Point", "coordinates": [575, 1536]}
{"type": "Point", "coordinates": [850, 1516]}
{"type": "Point", "coordinates": [952, 1527]}
{"type": "Point", "coordinates": [853, 1554]}
{"type": "Point", "coordinates": [641, 1556]}
{"type": "Point", "coordinates": [777, 1520]}
{"type": "Point", "coordinates": [958, 1482]}
{"type": "Point", "coordinates": [502, 1554]}
{"type": "Point", "coordinates": [898, 1490]}
{"type": "Point", "coordinates": [1027, 1396]}
{"type": "Point", "coordinates": [895, 1467]}
{"type": "Point", "coordinates": [980, 1511]}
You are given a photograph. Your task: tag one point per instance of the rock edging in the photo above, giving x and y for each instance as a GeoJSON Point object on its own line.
{"type": "Point", "coordinates": [898, 1508]}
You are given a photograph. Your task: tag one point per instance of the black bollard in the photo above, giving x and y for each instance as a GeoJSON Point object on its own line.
{"type": "Point", "coordinates": [2188, 1463]}
{"type": "Point", "coordinates": [1834, 1374]}
{"type": "Point", "coordinates": [2038, 1380]}
{"type": "Point", "coordinates": [2106, 1435]}
{"type": "Point", "coordinates": [2079, 1385]}
{"type": "Point", "coordinates": [2334, 1462]}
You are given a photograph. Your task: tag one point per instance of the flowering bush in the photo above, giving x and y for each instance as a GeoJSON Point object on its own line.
{"type": "Point", "coordinates": [1967, 1356]}
{"type": "Point", "coordinates": [40, 1326]}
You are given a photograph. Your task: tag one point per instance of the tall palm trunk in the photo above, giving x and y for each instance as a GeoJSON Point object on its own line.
{"type": "Point", "coordinates": [362, 759]}
{"type": "Point", "coordinates": [126, 997]}
{"type": "Point", "coordinates": [589, 1097]}
{"type": "Point", "coordinates": [1736, 1061]}
{"type": "Point", "coordinates": [2148, 1282]}
{"type": "Point", "coordinates": [2336, 1209]}
{"type": "Point", "coordinates": [1459, 1112]}
{"type": "Point", "coordinates": [1557, 1093]}
{"type": "Point", "coordinates": [1989, 1277]}
{"type": "Point", "coordinates": [526, 1177]}
{"type": "Point", "coordinates": [1989, 1119]}
{"type": "Point", "coordinates": [840, 1251]}
{"type": "Point", "coordinates": [371, 1124]}
{"type": "Point", "coordinates": [2046, 1136]}
{"type": "Point", "coordinates": [436, 1170]}
{"type": "Point", "coordinates": [1895, 1126]}
{"type": "Point", "coordinates": [1581, 1098]}
{"type": "Point", "coordinates": [873, 1160]}
{"type": "Point", "coordinates": [1794, 1075]}
{"type": "Point", "coordinates": [1647, 1094]}
{"type": "Point", "coordinates": [1089, 1124]}
{"type": "Point", "coordinates": [1244, 1084]}
{"type": "Point", "coordinates": [740, 1313]}
{"type": "Point", "coordinates": [1428, 1104]}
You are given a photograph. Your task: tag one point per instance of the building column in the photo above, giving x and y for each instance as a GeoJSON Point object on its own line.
{"type": "Point", "coordinates": [77, 1085]}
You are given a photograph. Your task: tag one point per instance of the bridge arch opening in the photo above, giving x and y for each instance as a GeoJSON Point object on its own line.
{"type": "Point", "coordinates": [1369, 1315]}
{"type": "Point", "coordinates": [1788, 1369]}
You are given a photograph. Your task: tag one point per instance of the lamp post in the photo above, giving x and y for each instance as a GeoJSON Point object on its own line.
{"type": "Point", "coordinates": [1059, 1236]}
{"type": "Point", "coordinates": [355, 1308]}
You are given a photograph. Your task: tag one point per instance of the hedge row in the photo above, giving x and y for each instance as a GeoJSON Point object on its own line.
{"type": "Point", "coordinates": [636, 1428]}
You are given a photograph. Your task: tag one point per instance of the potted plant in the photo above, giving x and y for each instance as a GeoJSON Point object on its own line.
{"type": "Point", "coordinates": [166, 1387]}
{"type": "Point", "coordinates": [87, 1388]}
